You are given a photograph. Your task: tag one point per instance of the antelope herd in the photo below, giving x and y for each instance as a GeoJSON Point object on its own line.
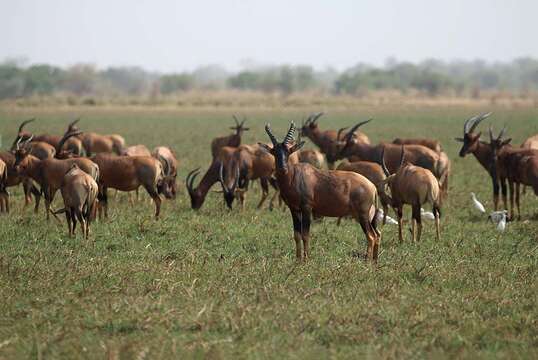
{"type": "Point", "coordinates": [371, 178]}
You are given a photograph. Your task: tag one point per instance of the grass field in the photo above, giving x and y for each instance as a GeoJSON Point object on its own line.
{"type": "Point", "coordinates": [218, 284]}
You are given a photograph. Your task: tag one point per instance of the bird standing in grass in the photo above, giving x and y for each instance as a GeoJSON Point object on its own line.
{"type": "Point", "coordinates": [426, 214]}
{"type": "Point", "coordinates": [477, 204]}
{"type": "Point", "coordinates": [502, 223]}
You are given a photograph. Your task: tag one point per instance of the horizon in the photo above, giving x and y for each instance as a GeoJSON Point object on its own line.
{"type": "Point", "coordinates": [168, 36]}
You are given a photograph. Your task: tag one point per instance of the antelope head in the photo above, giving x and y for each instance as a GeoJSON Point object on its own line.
{"type": "Point", "coordinates": [390, 177]}
{"type": "Point", "coordinates": [65, 154]}
{"type": "Point", "coordinates": [345, 143]}
{"type": "Point", "coordinates": [229, 192]}
{"type": "Point", "coordinates": [22, 150]}
{"type": "Point", "coordinates": [167, 186]}
{"type": "Point", "coordinates": [496, 142]}
{"type": "Point", "coordinates": [471, 140]}
{"type": "Point", "coordinates": [196, 199]}
{"type": "Point", "coordinates": [72, 127]}
{"type": "Point", "coordinates": [239, 128]}
{"type": "Point", "coordinates": [281, 151]}
{"type": "Point", "coordinates": [21, 135]}
{"type": "Point", "coordinates": [311, 124]}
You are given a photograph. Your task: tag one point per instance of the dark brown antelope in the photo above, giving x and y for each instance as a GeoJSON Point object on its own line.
{"type": "Point", "coordinates": [483, 152]}
{"type": "Point", "coordinates": [4, 196]}
{"type": "Point", "coordinates": [326, 140]}
{"type": "Point", "coordinates": [199, 193]}
{"type": "Point", "coordinates": [435, 145]}
{"type": "Point", "coordinates": [415, 186]}
{"type": "Point", "coordinates": [233, 140]}
{"type": "Point", "coordinates": [418, 155]}
{"type": "Point", "coordinates": [79, 193]}
{"type": "Point", "coordinates": [128, 173]}
{"type": "Point", "coordinates": [515, 166]}
{"type": "Point", "coordinates": [308, 191]}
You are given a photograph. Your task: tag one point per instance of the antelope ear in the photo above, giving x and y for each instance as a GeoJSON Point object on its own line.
{"type": "Point", "coordinates": [459, 139]}
{"type": "Point", "coordinates": [246, 129]}
{"type": "Point", "coordinates": [265, 147]}
{"type": "Point", "coordinates": [296, 147]}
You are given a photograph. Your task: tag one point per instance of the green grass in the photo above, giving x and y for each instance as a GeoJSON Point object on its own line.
{"type": "Point", "coordinates": [219, 284]}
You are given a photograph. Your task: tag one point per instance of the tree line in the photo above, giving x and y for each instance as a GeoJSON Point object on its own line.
{"type": "Point", "coordinates": [431, 77]}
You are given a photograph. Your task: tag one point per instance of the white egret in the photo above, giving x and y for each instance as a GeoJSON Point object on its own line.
{"type": "Point", "coordinates": [477, 204]}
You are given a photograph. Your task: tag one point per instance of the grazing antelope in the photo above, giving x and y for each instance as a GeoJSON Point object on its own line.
{"type": "Point", "coordinates": [49, 173]}
{"type": "Point", "coordinates": [435, 145]}
{"type": "Point", "coordinates": [198, 194]}
{"type": "Point", "coordinates": [418, 155]}
{"type": "Point", "coordinates": [168, 159]}
{"type": "Point", "coordinates": [233, 140]}
{"type": "Point", "coordinates": [247, 163]}
{"type": "Point", "coordinates": [128, 173]}
{"type": "Point", "coordinates": [308, 191]}
{"type": "Point", "coordinates": [373, 172]}
{"type": "Point", "coordinates": [483, 153]}
{"type": "Point", "coordinates": [326, 140]}
{"type": "Point", "coordinates": [79, 193]}
{"type": "Point", "coordinates": [516, 166]}
{"type": "Point", "coordinates": [415, 186]}
{"type": "Point", "coordinates": [530, 143]}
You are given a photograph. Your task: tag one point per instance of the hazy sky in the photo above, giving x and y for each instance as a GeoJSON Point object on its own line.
{"type": "Point", "coordinates": [168, 35]}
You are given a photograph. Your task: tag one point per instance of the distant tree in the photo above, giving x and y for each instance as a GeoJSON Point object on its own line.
{"type": "Point", "coordinates": [42, 79]}
{"type": "Point", "coordinates": [80, 79]}
{"type": "Point", "coordinates": [176, 82]}
{"type": "Point", "coordinates": [11, 81]}
{"type": "Point", "coordinates": [130, 80]}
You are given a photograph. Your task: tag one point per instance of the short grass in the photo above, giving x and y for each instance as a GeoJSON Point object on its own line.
{"type": "Point", "coordinates": [223, 284]}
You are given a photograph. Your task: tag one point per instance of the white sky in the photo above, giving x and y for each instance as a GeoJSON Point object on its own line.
{"type": "Point", "coordinates": [168, 35]}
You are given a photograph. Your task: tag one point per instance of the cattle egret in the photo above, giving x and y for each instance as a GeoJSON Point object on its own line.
{"type": "Point", "coordinates": [502, 223]}
{"type": "Point", "coordinates": [427, 214]}
{"type": "Point", "coordinates": [379, 218]}
{"type": "Point", "coordinates": [497, 216]}
{"type": "Point", "coordinates": [477, 204]}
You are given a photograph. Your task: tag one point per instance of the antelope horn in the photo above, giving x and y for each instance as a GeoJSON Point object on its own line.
{"type": "Point", "coordinates": [29, 140]}
{"type": "Point", "coordinates": [24, 123]}
{"type": "Point", "coordinates": [315, 117]}
{"type": "Point", "coordinates": [271, 136]}
{"type": "Point", "coordinates": [221, 179]}
{"type": "Point", "coordinates": [383, 165]}
{"type": "Point", "coordinates": [190, 179]}
{"type": "Point", "coordinates": [289, 135]}
{"type": "Point", "coordinates": [236, 121]}
{"type": "Point", "coordinates": [65, 137]}
{"type": "Point", "coordinates": [354, 128]}
{"type": "Point", "coordinates": [72, 123]}
{"type": "Point", "coordinates": [17, 143]}
{"type": "Point", "coordinates": [236, 180]}
{"type": "Point", "coordinates": [473, 122]}
{"type": "Point", "coordinates": [340, 132]}
{"type": "Point", "coordinates": [168, 170]}
{"type": "Point", "coordinates": [402, 157]}
{"type": "Point", "coordinates": [501, 134]}
{"type": "Point", "coordinates": [491, 137]}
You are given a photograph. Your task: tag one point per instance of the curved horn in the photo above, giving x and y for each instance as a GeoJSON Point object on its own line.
{"type": "Point", "coordinates": [236, 121]}
{"type": "Point", "coordinates": [354, 128]}
{"type": "Point", "coordinates": [501, 134]}
{"type": "Point", "coordinates": [491, 137]}
{"type": "Point", "coordinates": [29, 140]}
{"type": "Point", "coordinates": [315, 117]}
{"type": "Point", "coordinates": [74, 122]}
{"type": "Point", "coordinates": [340, 132]}
{"type": "Point", "coordinates": [168, 170]}
{"type": "Point", "coordinates": [472, 123]}
{"type": "Point", "coordinates": [23, 124]}
{"type": "Point", "coordinates": [402, 157]}
{"type": "Point", "coordinates": [190, 179]}
{"type": "Point", "coordinates": [221, 177]}
{"type": "Point", "coordinates": [383, 165]}
{"type": "Point", "coordinates": [271, 136]}
{"type": "Point", "coordinates": [289, 135]}
{"type": "Point", "coordinates": [65, 137]}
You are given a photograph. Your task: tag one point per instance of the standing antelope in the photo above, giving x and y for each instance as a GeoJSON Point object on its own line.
{"type": "Point", "coordinates": [418, 155]}
{"type": "Point", "coordinates": [128, 173]}
{"type": "Point", "coordinates": [515, 165]}
{"type": "Point", "coordinates": [233, 140]}
{"type": "Point", "coordinates": [49, 173]}
{"type": "Point", "coordinates": [79, 193]}
{"type": "Point", "coordinates": [326, 140]}
{"type": "Point", "coordinates": [415, 186]}
{"type": "Point", "coordinates": [94, 143]}
{"type": "Point", "coordinates": [435, 145]}
{"type": "Point", "coordinates": [13, 179]}
{"type": "Point", "coordinates": [483, 153]}
{"type": "Point", "coordinates": [308, 191]}
{"type": "Point", "coordinates": [136, 150]}
{"type": "Point", "coordinates": [170, 164]}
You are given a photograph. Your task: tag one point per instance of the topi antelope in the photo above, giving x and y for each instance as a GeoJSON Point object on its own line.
{"type": "Point", "coordinates": [13, 179]}
{"type": "Point", "coordinates": [435, 145]}
{"type": "Point", "coordinates": [168, 159]}
{"type": "Point", "coordinates": [49, 173]}
{"type": "Point", "coordinates": [483, 153]}
{"type": "Point", "coordinates": [136, 150]}
{"type": "Point", "coordinates": [415, 186]}
{"type": "Point", "coordinates": [518, 166]}
{"type": "Point", "coordinates": [233, 140]}
{"type": "Point", "coordinates": [79, 193]}
{"type": "Point", "coordinates": [128, 173]}
{"type": "Point", "coordinates": [4, 196]}
{"type": "Point", "coordinates": [326, 140]}
{"type": "Point", "coordinates": [308, 191]}
{"type": "Point", "coordinates": [94, 143]}
{"type": "Point", "coordinates": [418, 155]}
